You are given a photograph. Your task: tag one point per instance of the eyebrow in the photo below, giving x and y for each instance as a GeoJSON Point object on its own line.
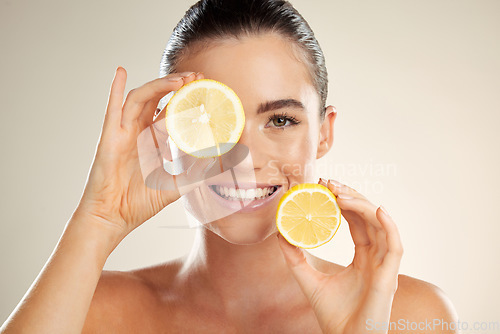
{"type": "Point", "coordinates": [279, 104]}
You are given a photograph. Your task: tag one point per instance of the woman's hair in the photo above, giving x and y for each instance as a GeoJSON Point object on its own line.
{"type": "Point", "coordinates": [212, 20]}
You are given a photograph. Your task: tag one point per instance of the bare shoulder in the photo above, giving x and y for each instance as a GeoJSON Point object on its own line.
{"type": "Point", "coordinates": [422, 304]}
{"type": "Point", "coordinates": [418, 306]}
{"type": "Point", "coordinates": [415, 296]}
{"type": "Point", "coordinates": [125, 299]}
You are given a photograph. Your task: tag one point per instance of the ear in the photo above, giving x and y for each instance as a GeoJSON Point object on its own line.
{"type": "Point", "coordinates": [326, 132]}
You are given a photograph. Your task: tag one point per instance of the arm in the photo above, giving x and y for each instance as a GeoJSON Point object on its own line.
{"type": "Point", "coordinates": [115, 202]}
{"type": "Point", "coordinates": [59, 298]}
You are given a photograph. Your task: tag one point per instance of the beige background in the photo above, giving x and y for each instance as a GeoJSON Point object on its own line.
{"type": "Point", "coordinates": [415, 83]}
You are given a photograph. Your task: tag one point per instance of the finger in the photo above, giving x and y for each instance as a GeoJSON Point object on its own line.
{"type": "Point", "coordinates": [394, 245]}
{"type": "Point", "coordinates": [308, 278]}
{"type": "Point", "coordinates": [147, 115]}
{"type": "Point", "coordinates": [380, 247]}
{"type": "Point", "coordinates": [353, 203]}
{"type": "Point", "coordinates": [115, 100]}
{"type": "Point", "coordinates": [357, 227]}
{"type": "Point", "coordinates": [360, 213]}
{"type": "Point", "coordinates": [151, 160]}
{"type": "Point", "coordinates": [162, 113]}
{"type": "Point", "coordinates": [351, 200]}
{"type": "Point", "coordinates": [365, 227]}
{"type": "Point", "coordinates": [151, 165]}
{"type": "Point", "coordinates": [344, 192]}
{"type": "Point", "coordinates": [138, 97]}
{"type": "Point", "coordinates": [199, 76]}
{"type": "Point", "coordinates": [393, 238]}
{"type": "Point", "coordinates": [339, 188]}
{"type": "Point", "coordinates": [150, 149]}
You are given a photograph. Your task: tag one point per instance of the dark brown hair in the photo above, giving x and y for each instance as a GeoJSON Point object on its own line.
{"type": "Point", "coordinates": [218, 19]}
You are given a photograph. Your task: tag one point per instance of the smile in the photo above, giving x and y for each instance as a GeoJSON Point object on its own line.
{"type": "Point", "coordinates": [234, 194]}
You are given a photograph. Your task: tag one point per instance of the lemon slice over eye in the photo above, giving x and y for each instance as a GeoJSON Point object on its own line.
{"type": "Point", "coordinates": [308, 215]}
{"type": "Point", "coordinates": [205, 118]}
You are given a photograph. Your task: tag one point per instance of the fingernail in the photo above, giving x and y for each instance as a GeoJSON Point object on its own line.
{"type": "Point", "coordinates": [174, 79]}
{"type": "Point", "coordinates": [344, 196]}
{"type": "Point", "coordinates": [198, 73]}
{"type": "Point", "coordinates": [322, 182]}
{"type": "Point", "coordinates": [384, 211]}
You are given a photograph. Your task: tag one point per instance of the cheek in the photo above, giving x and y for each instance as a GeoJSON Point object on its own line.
{"type": "Point", "coordinates": [297, 161]}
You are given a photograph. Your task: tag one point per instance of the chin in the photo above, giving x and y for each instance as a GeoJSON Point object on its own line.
{"type": "Point", "coordinates": [241, 231]}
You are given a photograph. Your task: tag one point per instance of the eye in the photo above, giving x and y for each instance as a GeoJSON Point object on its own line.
{"type": "Point", "coordinates": [281, 121]}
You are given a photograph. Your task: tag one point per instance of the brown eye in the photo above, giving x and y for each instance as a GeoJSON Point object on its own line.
{"type": "Point", "coordinates": [279, 121]}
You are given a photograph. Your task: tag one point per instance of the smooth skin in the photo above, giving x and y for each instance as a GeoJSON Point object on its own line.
{"type": "Point", "coordinates": [221, 287]}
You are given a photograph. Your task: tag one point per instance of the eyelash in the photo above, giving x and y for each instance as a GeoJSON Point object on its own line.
{"type": "Point", "coordinates": [287, 118]}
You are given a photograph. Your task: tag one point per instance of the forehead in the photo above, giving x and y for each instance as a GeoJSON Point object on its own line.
{"type": "Point", "coordinates": [258, 68]}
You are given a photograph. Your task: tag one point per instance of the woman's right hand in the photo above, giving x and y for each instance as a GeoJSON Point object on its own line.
{"type": "Point", "coordinates": [115, 195]}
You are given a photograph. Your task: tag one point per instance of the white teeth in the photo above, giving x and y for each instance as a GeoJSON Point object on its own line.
{"type": "Point", "coordinates": [250, 193]}
{"type": "Point", "coordinates": [242, 194]}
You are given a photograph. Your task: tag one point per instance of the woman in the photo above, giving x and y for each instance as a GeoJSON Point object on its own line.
{"type": "Point", "coordinates": [238, 276]}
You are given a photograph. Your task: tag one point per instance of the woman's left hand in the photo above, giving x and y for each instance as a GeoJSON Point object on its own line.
{"type": "Point", "coordinates": [344, 302]}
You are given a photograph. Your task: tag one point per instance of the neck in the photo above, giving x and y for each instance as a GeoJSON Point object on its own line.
{"type": "Point", "coordinates": [242, 274]}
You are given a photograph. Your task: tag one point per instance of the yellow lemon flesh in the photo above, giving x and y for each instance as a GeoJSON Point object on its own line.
{"type": "Point", "coordinates": [308, 215]}
{"type": "Point", "coordinates": [205, 118]}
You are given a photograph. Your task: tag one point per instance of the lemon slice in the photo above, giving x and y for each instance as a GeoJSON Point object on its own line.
{"type": "Point", "coordinates": [308, 215]}
{"type": "Point", "coordinates": [205, 118]}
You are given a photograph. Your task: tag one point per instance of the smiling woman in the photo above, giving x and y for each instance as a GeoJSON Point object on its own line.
{"type": "Point", "coordinates": [238, 277]}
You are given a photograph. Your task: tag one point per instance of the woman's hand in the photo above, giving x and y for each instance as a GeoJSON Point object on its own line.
{"type": "Point", "coordinates": [115, 194]}
{"type": "Point", "coordinates": [343, 302]}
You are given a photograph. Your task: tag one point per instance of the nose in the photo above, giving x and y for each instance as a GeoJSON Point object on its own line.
{"type": "Point", "coordinates": [256, 147]}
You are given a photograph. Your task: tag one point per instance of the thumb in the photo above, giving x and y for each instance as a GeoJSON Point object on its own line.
{"type": "Point", "coordinates": [308, 278]}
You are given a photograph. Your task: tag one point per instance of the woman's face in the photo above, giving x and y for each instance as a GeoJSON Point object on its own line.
{"type": "Point", "coordinates": [282, 133]}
